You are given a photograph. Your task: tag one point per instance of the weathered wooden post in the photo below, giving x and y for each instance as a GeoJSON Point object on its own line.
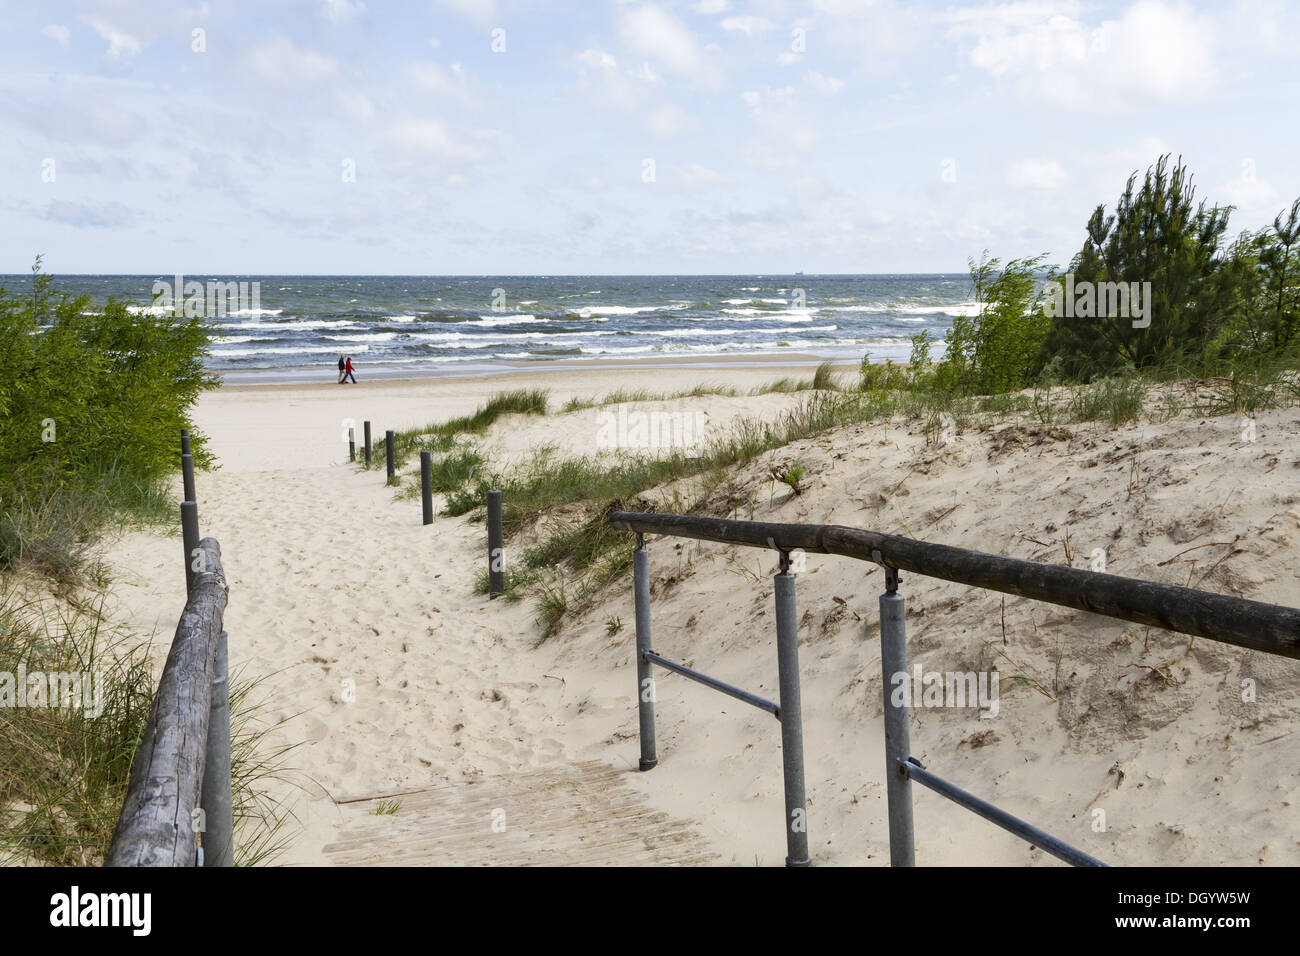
{"type": "Point", "coordinates": [187, 475]}
{"type": "Point", "coordinates": [496, 547]}
{"type": "Point", "coordinates": [352, 443]}
{"type": "Point", "coordinates": [215, 797]}
{"type": "Point", "coordinates": [190, 539]}
{"type": "Point", "coordinates": [185, 441]}
{"type": "Point", "coordinates": [390, 454]}
{"type": "Point", "coordinates": [426, 485]}
{"type": "Point", "coordinates": [366, 428]}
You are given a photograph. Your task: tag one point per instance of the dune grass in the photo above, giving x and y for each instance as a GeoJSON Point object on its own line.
{"type": "Point", "coordinates": [623, 396]}
{"type": "Point", "coordinates": [64, 770]}
{"type": "Point", "coordinates": [441, 437]}
{"type": "Point", "coordinates": [562, 502]}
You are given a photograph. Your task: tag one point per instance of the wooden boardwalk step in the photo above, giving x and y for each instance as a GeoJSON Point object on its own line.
{"type": "Point", "coordinates": [581, 814]}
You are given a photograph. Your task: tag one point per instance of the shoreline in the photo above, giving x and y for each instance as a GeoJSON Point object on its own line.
{"type": "Point", "coordinates": [768, 363]}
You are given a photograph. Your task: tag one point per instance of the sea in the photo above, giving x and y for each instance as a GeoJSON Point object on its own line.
{"type": "Point", "coordinates": [295, 327]}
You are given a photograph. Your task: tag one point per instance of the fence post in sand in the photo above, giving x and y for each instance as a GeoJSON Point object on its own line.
{"type": "Point", "coordinates": [190, 538]}
{"type": "Point", "coordinates": [367, 437]}
{"type": "Point", "coordinates": [215, 796]}
{"type": "Point", "coordinates": [645, 684]}
{"type": "Point", "coordinates": [187, 475]}
{"type": "Point", "coordinates": [787, 661]}
{"type": "Point", "coordinates": [185, 441]}
{"type": "Point", "coordinates": [352, 443]}
{"type": "Point", "coordinates": [496, 547]}
{"type": "Point", "coordinates": [898, 744]}
{"type": "Point", "coordinates": [389, 454]}
{"type": "Point", "coordinates": [426, 485]}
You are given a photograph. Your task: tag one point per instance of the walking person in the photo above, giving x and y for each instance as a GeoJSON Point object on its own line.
{"type": "Point", "coordinates": [347, 371]}
{"type": "Point", "coordinates": [342, 369]}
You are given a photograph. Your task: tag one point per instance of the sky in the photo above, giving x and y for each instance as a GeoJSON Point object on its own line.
{"type": "Point", "coordinates": [506, 137]}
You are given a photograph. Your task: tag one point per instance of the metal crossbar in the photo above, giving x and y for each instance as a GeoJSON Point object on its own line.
{"type": "Point", "coordinates": [716, 684]}
{"type": "Point", "coordinates": [1271, 628]}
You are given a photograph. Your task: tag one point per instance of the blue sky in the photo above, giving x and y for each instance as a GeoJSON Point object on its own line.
{"type": "Point", "coordinates": [703, 136]}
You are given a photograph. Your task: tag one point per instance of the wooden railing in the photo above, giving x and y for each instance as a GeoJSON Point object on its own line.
{"type": "Point", "coordinates": [180, 782]}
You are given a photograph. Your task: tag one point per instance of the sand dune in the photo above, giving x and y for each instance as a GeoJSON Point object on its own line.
{"type": "Point", "coordinates": [393, 676]}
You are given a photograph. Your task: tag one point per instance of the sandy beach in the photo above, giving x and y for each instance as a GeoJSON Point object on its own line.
{"type": "Point", "coordinates": [394, 679]}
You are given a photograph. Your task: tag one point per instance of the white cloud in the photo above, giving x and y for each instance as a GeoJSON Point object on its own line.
{"type": "Point", "coordinates": [1154, 51]}
{"type": "Point", "coordinates": [777, 114]}
{"type": "Point", "coordinates": [1257, 200]}
{"type": "Point", "coordinates": [56, 33]}
{"type": "Point", "coordinates": [341, 11]}
{"type": "Point", "coordinates": [428, 139]}
{"type": "Point", "coordinates": [668, 121]}
{"type": "Point", "coordinates": [1036, 174]}
{"type": "Point", "coordinates": [357, 104]}
{"type": "Point", "coordinates": [711, 6]}
{"type": "Point", "coordinates": [625, 89]}
{"type": "Point", "coordinates": [657, 35]}
{"type": "Point", "coordinates": [451, 84]}
{"type": "Point", "coordinates": [597, 59]}
{"type": "Point", "coordinates": [822, 83]}
{"type": "Point", "coordinates": [283, 64]}
{"type": "Point", "coordinates": [748, 25]}
{"type": "Point", "coordinates": [693, 174]}
{"type": "Point", "coordinates": [119, 41]}
{"type": "Point", "coordinates": [482, 12]}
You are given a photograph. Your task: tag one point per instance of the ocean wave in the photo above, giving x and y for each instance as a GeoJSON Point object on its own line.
{"type": "Point", "coordinates": [371, 337]}
{"type": "Point", "coordinates": [587, 311]}
{"type": "Point", "coordinates": [304, 325]}
{"type": "Point", "coordinates": [684, 333]}
{"type": "Point", "coordinates": [773, 315]}
{"type": "Point", "coordinates": [296, 350]}
{"type": "Point", "coordinates": [504, 320]}
{"type": "Point", "coordinates": [893, 308]}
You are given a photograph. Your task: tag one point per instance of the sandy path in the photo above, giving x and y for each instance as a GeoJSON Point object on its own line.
{"type": "Point", "coordinates": [338, 592]}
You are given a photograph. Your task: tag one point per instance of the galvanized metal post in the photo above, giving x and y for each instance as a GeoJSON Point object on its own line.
{"type": "Point", "coordinates": [390, 454]}
{"type": "Point", "coordinates": [787, 660]}
{"type": "Point", "coordinates": [190, 539]}
{"type": "Point", "coordinates": [645, 684]}
{"type": "Point", "coordinates": [366, 430]}
{"type": "Point", "coordinates": [187, 476]}
{"type": "Point", "coordinates": [898, 744]}
{"type": "Point", "coordinates": [352, 443]}
{"type": "Point", "coordinates": [496, 547]}
{"type": "Point", "coordinates": [215, 797]}
{"type": "Point", "coordinates": [185, 441]}
{"type": "Point", "coordinates": [426, 485]}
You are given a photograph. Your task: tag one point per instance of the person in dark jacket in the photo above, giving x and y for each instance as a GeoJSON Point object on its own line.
{"type": "Point", "coordinates": [342, 369]}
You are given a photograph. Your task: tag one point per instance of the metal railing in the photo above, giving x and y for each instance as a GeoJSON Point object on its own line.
{"type": "Point", "coordinates": [180, 783]}
{"type": "Point", "coordinates": [1251, 624]}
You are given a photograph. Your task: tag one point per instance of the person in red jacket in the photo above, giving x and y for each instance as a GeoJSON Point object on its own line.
{"type": "Point", "coordinates": [347, 371]}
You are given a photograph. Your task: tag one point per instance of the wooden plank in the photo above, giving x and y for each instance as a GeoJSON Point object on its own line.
{"type": "Point", "coordinates": [573, 815]}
